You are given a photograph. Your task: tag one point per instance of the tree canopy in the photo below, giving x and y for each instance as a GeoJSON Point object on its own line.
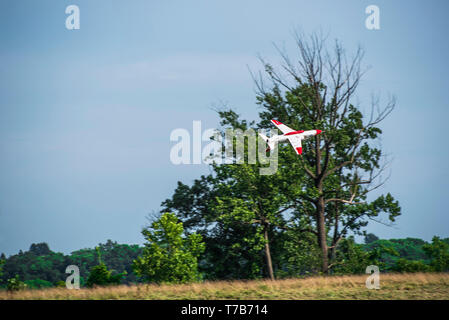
{"type": "Point", "coordinates": [324, 192]}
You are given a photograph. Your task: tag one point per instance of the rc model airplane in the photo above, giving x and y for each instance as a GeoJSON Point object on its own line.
{"type": "Point", "coordinates": [295, 137]}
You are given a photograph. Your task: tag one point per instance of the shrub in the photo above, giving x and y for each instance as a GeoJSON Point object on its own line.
{"type": "Point", "coordinates": [14, 284]}
{"type": "Point", "coordinates": [404, 265]}
{"type": "Point", "coordinates": [101, 276]}
{"type": "Point", "coordinates": [39, 283]}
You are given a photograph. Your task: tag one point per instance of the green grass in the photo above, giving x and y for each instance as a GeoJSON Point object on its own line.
{"type": "Point", "coordinates": [393, 286]}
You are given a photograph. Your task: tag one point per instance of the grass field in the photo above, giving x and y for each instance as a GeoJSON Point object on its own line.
{"type": "Point", "coordinates": [392, 286]}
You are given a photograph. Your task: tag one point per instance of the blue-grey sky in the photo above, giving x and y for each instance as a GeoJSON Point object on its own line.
{"type": "Point", "coordinates": [86, 115]}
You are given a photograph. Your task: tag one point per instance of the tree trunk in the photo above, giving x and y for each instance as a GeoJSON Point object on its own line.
{"type": "Point", "coordinates": [333, 253]}
{"type": "Point", "coordinates": [320, 210]}
{"type": "Point", "coordinates": [322, 235]}
{"type": "Point", "coordinates": [268, 254]}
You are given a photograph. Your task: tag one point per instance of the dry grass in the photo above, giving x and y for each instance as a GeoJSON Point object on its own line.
{"type": "Point", "coordinates": [393, 286]}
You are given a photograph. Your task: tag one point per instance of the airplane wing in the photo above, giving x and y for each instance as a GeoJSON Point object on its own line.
{"type": "Point", "coordinates": [282, 126]}
{"type": "Point", "coordinates": [295, 141]}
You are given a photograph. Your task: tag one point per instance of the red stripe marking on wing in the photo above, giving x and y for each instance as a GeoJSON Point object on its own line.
{"type": "Point", "coordinates": [299, 150]}
{"type": "Point", "coordinates": [276, 122]}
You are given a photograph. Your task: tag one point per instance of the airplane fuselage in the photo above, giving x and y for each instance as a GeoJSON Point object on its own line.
{"type": "Point", "coordinates": [300, 133]}
{"type": "Point", "coordinates": [295, 137]}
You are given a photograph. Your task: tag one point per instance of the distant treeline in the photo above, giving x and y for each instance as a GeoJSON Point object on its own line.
{"type": "Point", "coordinates": [40, 267]}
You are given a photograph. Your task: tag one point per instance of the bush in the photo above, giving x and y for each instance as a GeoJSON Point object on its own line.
{"type": "Point", "coordinates": [14, 284]}
{"type": "Point", "coordinates": [370, 238]}
{"type": "Point", "coordinates": [351, 258]}
{"type": "Point", "coordinates": [101, 276]}
{"type": "Point", "coordinates": [403, 265]}
{"type": "Point", "coordinates": [38, 283]}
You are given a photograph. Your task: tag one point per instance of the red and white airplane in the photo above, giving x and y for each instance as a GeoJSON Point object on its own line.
{"type": "Point", "coordinates": [295, 137]}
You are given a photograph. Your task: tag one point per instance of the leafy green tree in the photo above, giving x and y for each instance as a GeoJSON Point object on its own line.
{"type": "Point", "coordinates": [2, 262]}
{"type": "Point", "coordinates": [352, 259]}
{"type": "Point", "coordinates": [370, 238]}
{"type": "Point", "coordinates": [438, 251]}
{"type": "Point", "coordinates": [30, 265]}
{"type": "Point", "coordinates": [299, 255]}
{"type": "Point", "coordinates": [117, 257]}
{"type": "Point", "coordinates": [404, 265]}
{"type": "Point", "coordinates": [409, 248]}
{"type": "Point", "coordinates": [39, 265]}
{"type": "Point", "coordinates": [100, 275]}
{"type": "Point", "coordinates": [169, 256]}
{"type": "Point", "coordinates": [329, 183]}
{"type": "Point", "coordinates": [228, 254]}
{"type": "Point", "coordinates": [233, 251]}
{"type": "Point", "coordinates": [251, 199]}
{"type": "Point", "coordinates": [325, 190]}
{"type": "Point", "coordinates": [40, 249]}
{"type": "Point", "coordinates": [395, 249]}
{"type": "Point", "coordinates": [85, 259]}
{"type": "Point", "coordinates": [240, 213]}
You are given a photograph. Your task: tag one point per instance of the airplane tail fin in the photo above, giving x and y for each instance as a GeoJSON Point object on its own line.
{"type": "Point", "coordinates": [271, 144]}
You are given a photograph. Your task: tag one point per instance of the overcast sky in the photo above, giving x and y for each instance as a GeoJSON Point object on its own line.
{"type": "Point", "coordinates": [86, 115]}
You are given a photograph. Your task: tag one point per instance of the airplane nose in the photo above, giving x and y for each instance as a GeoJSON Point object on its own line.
{"type": "Point", "coordinates": [319, 131]}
